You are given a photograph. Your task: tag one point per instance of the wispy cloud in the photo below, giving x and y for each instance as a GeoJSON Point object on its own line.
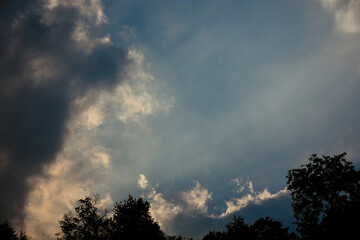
{"type": "Point", "coordinates": [346, 14]}
{"type": "Point", "coordinates": [194, 201]}
{"type": "Point", "coordinates": [131, 100]}
{"type": "Point", "coordinates": [161, 210]}
{"type": "Point", "coordinates": [65, 181]}
{"type": "Point", "coordinates": [127, 33]}
{"type": "Point", "coordinates": [89, 10]}
{"type": "Point", "coordinates": [237, 204]}
{"type": "Point", "coordinates": [249, 197]}
{"type": "Point", "coordinates": [239, 182]}
{"type": "Point", "coordinates": [137, 96]}
{"type": "Point", "coordinates": [82, 165]}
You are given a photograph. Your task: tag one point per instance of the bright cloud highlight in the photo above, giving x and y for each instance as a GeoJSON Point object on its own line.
{"type": "Point", "coordinates": [346, 14]}
{"type": "Point", "coordinates": [195, 201]}
{"type": "Point", "coordinates": [253, 197]}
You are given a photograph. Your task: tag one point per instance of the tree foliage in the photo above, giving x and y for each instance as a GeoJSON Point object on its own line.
{"type": "Point", "coordinates": [177, 238]}
{"type": "Point", "coordinates": [238, 228]}
{"type": "Point", "coordinates": [269, 229]}
{"type": "Point", "coordinates": [323, 190]}
{"type": "Point", "coordinates": [130, 219]}
{"type": "Point", "coordinates": [215, 235]}
{"type": "Point", "coordinates": [7, 232]}
{"type": "Point", "coordinates": [326, 205]}
{"type": "Point", "coordinates": [88, 222]}
{"type": "Point", "coordinates": [262, 229]}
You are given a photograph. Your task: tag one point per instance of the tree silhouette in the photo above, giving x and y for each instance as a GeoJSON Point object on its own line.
{"type": "Point", "coordinates": [177, 238]}
{"type": "Point", "coordinates": [132, 220]}
{"type": "Point", "coordinates": [7, 232]}
{"type": "Point", "coordinates": [214, 235]}
{"type": "Point", "coordinates": [325, 192]}
{"type": "Point", "coordinates": [262, 229]}
{"type": "Point", "coordinates": [269, 229]}
{"type": "Point", "coordinates": [238, 228]}
{"type": "Point", "coordinates": [88, 222]}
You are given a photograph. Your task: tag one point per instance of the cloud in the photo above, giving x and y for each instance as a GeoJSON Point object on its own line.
{"type": "Point", "coordinates": [90, 10]}
{"type": "Point", "coordinates": [196, 198]}
{"type": "Point", "coordinates": [83, 166]}
{"type": "Point", "coordinates": [64, 183]}
{"type": "Point", "coordinates": [346, 14]}
{"type": "Point", "coordinates": [143, 183]}
{"type": "Point", "coordinates": [136, 95]}
{"type": "Point", "coordinates": [82, 39]}
{"type": "Point", "coordinates": [193, 203]}
{"type": "Point", "coordinates": [93, 117]}
{"type": "Point", "coordinates": [127, 33]}
{"type": "Point", "coordinates": [161, 210]}
{"type": "Point", "coordinates": [50, 197]}
{"type": "Point", "coordinates": [253, 197]}
{"type": "Point", "coordinates": [165, 212]}
{"type": "Point", "coordinates": [99, 158]}
{"type": "Point", "coordinates": [240, 183]}
{"type": "Point", "coordinates": [132, 100]}
{"type": "Point", "coordinates": [50, 55]}
{"type": "Point", "coordinates": [80, 169]}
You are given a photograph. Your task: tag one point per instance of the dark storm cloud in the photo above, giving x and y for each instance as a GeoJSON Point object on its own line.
{"type": "Point", "coordinates": [41, 71]}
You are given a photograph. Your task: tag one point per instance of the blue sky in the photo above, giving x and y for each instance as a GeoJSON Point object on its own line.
{"type": "Point", "coordinates": [201, 107]}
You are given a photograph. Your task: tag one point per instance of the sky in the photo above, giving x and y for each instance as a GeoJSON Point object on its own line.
{"type": "Point", "coordinates": [201, 107]}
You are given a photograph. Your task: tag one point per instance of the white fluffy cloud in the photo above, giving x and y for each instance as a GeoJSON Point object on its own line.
{"type": "Point", "coordinates": [164, 212]}
{"type": "Point", "coordinates": [64, 182]}
{"type": "Point", "coordinates": [137, 96]}
{"type": "Point", "coordinates": [196, 198]}
{"type": "Point", "coordinates": [346, 14]}
{"type": "Point", "coordinates": [194, 201]}
{"type": "Point", "coordinates": [87, 13]}
{"type": "Point", "coordinates": [143, 183]}
{"type": "Point", "coordinates": [252, 197]}
{"type": "Point", "coordinates": [132, 100]}
{"type": "Point", "coordinates": [161, 210]}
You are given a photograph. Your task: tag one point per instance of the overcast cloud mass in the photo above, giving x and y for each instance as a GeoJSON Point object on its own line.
{"type": "Point", "coordinates": [200, 107]}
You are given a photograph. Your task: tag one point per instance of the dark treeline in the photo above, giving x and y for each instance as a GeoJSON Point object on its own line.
{"type": "Point", "coordinates": [326, 205]}
{"type": "Point", "coordinates": [262, 229]}
{"type": "Point", "coordinates": [8, 233]}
